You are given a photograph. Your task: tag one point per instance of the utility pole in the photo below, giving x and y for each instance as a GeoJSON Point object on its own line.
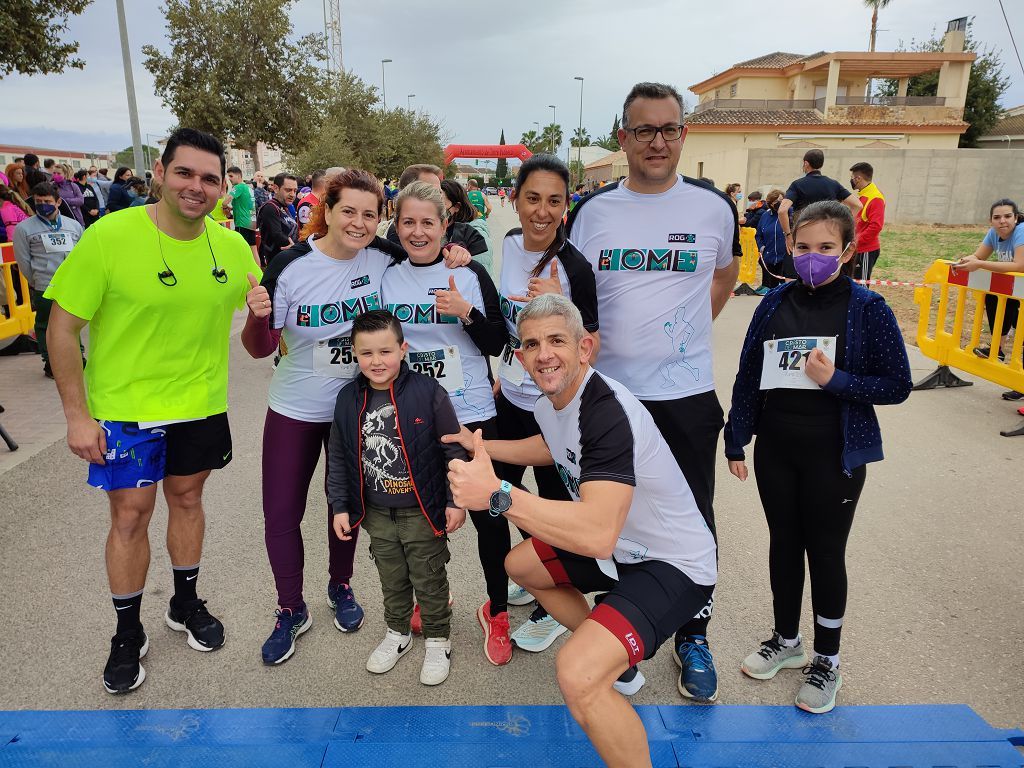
{"type": "Point", "coordinates": [579, 136]}
{"type": "Point", "coordinates": [383, 83]}
{"type": "Point", "coordinates": [554, 124]}
{"type": "Point", "coordinates": [129, 84]}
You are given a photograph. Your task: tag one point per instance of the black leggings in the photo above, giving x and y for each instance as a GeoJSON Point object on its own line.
{"type": "Point", "coordinates": [1009, 317]}
{"type": "Point", "coordinates": [493, 540]}
{"type": "Point", "coordinates": [809, 504]}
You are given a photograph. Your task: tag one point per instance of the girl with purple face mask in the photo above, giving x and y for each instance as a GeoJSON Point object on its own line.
{"type": "Point", "coordinates": [820, 353]}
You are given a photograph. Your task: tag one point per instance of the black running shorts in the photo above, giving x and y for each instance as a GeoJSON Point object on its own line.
{"type": "Point", "coordinates": [643, 609]}
{"type": "Point", "coordinates": [195, 446]}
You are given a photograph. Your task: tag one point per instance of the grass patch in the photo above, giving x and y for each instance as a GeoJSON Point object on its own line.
{"type": "Point", "coordinates": [907, 252]}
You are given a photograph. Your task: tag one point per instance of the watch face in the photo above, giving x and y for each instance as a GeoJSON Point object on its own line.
{"type": "Point", "coordinates": [500, 502]}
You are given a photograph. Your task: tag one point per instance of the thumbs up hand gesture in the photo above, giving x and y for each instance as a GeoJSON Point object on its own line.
{"type": "Point", "coordinates": [473, 482]}
{"type": "Point", "coordinates": [451, 302]}
{"type": "Point", "coordinates": [540, 285]}
{"type": "Point", "coordinates": [257, 298]}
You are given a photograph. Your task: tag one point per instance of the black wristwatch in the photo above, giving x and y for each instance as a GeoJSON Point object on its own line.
{"type": "Point", "coordinates": [501, 499]}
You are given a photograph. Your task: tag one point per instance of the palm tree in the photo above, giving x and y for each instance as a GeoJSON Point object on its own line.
{"type": "Point", "coordinates": [580, 140]}
{"type": "Point", "coordinates": [551, 138]}
{"type": "Point", "coordinates": [531, 140]}
{"type": "Point", "coordinates": [875, 6]}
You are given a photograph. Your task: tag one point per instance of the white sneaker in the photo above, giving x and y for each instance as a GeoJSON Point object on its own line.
{"type": "Point", "coordinates": [437, 661]}
{"type": "Point", "coordinates": [537, 634]}
{"type": "Point", "coordinates": [627, 687]}
{"type": "Point", "coordinates": [393, 647]}
{"type": "Point", "coordinates": [518, 595]}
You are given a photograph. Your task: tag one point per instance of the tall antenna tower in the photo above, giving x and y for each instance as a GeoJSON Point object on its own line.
{"type": "Point", "coordinates": [332, 35]}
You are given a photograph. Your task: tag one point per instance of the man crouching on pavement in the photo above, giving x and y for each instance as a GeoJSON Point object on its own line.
{"type": "Point", "coordinates": [632, 531]}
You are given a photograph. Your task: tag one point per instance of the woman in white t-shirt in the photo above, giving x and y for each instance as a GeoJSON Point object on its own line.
{"type": "Point", "coordinates": [451, 319]}
{"type": "Point", "coordinates": [1006, 240]}
{"type": "Point", "coordinates": [536, 258]}
{"type": "Point", "coordinates": [306, 303]}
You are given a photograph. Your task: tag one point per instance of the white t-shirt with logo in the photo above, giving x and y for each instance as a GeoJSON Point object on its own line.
{"type": "Point", "coordinates": [314, 300]}
{"type": "Point", "coordinates": [408, 290]}
{"type": "Point", "coordinates": [605, 433]}
{"type": "Point", "coordinates": [654, 257]}
{"type": "Point", "coordinates": [577, 281]}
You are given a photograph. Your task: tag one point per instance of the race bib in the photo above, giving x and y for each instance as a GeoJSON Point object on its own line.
{"type": "Point", "coordinates": [334, 358]}
{"type": "Point", "coordinates": [443, 365]}
{"type": "Point", "coordinates": [57, 242]}
{"type": "Point", "coordinates": [785, 361]}
{"type": "Point", "coordinates": [510, 369]}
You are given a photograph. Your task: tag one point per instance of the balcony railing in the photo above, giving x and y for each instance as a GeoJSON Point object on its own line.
{"type": "Point", "coordinates": [819, 104]}
{"type": "Point", "coordinates": [890, 101]}
{"type": "Point", "coordinates": [761, 104]}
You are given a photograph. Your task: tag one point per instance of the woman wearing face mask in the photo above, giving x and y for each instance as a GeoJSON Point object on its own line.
{"type": "Point", "coordinates": [771, 242]}
{"type": "Point", "coordinates": [306, 303]}
{"type": "Point", "coordinates": [452, 321]}
{"type": "Point", "coordinates": [70, 195]}
{"type": "Point", "coordinates": [1006, 240]}
{"type": "Point", "coordinates": [537, 258]}
{"type": "Point", "coordinates": [820, 353]}
{"type": "Point", "coordinates": [734, 192]}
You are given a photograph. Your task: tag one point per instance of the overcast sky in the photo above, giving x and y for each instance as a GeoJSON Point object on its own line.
{"type": "Point", "coordinates": [481, 66]}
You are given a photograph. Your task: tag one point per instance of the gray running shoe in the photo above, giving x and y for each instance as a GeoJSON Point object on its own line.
{"type": "Point", "coordinates": [822, 683]}
{"type": "Point", "coordinates": [772, 656]}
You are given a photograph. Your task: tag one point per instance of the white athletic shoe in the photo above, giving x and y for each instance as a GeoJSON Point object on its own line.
{"type": "Point", "coordinates": [632, 685]}
{"type": "Point", "coordinates": [537, 634]}
{"type": "Point", "coordinates": [437, 661]}
{"type": "Point", "coordinates": [384, 657]}
{"type": "Point", "coordinates": [517, 595]}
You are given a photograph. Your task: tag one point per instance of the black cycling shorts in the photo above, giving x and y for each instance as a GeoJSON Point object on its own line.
{"type": "Point", "coordinates": [643, 608]}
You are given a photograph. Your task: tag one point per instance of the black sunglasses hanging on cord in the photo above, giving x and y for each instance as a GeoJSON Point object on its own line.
{"type": "Point", "coordinates": [219, 274]}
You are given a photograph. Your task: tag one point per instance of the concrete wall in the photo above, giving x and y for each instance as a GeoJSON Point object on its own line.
{"type": "Point", "coordinates": [921, 186]}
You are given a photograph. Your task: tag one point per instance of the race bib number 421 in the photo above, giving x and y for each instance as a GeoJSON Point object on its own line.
{"type": "Point", "coordinates": [785, 361]}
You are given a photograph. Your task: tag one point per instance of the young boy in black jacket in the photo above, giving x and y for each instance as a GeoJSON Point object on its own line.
{"type": "Point", "coordinates": [387, 471]}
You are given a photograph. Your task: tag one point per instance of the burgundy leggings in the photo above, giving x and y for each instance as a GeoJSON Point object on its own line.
{"type": "Point", "coordinates": [291, 450]}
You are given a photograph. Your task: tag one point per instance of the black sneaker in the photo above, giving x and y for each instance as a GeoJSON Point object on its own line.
{"type": "Point", "coordinates": [205, 633]}
{"type": "Point", "coordinates": [1012, 394]}
{"type": "Point", "coordinates": [123, 672]}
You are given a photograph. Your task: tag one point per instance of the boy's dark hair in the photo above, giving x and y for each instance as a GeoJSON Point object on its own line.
{"type": "Point", "coordinates": [864, 169]}
{"type": "Point", "coordinates": [31, 160]}
{"type": "Point", "coordinates": [234, 169]}
{"type": "Point", "coordinates": [190, 137]}
{"type": "Point", "coordinates": [814, 158]}
{"type": "Point", "coordinates": [46, 189]}
{"type": "Point", "coordinates": [49, 162]}
{"type": "Point", "coordinates": [376, 320]}
{"type": "Point", "coordinates": [755, 195]}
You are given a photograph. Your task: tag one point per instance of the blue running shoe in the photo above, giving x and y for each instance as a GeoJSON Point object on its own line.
{"type": "Point", "coordinates": [698, 679]}
{"type": "Point", "coordinates": [348, 614]}
{"type": "Point", "coordinates": [281, 644]}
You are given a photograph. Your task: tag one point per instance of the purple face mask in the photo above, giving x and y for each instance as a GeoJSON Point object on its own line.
{"type": "Point", "coordinates": [816, 268]}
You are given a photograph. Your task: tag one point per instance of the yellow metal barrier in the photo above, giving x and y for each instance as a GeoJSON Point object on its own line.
{"type": "Point", "coordinates": [948, 336]}
{"type": "Point", "coordinates": [16, 316]}
{"type": "Point", "coordinates": [748, 263]}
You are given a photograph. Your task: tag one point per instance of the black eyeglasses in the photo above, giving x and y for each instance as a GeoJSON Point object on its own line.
{"type": "Point", "coordinates": [646, 133]}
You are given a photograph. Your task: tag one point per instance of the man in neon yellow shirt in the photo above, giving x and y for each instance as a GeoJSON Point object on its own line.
{"type": "Point", "coordinates": [157, 285]}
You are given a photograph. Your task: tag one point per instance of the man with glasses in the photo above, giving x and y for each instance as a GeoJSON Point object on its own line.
{"type": "Point", "coordinates": [664, 249]}
{"type": "Point", "coordinates": [158, 286]}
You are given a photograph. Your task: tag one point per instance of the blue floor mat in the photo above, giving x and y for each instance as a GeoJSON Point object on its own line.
{"type": "Point", "coordinates": [932, 736]}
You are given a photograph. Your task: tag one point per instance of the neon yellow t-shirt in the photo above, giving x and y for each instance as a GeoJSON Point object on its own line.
{"type": "Point", "coordinates": [156, 352]}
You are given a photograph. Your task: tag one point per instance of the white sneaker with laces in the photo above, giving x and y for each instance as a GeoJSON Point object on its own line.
{"type": "Point", "coordinates": [384, 657]}
{"type": "Point", "coordinates": [437, 661]}
{"type": "Point", "coordinates": [517, 595]}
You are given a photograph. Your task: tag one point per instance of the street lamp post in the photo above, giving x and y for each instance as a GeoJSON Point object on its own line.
{"type": "Point", "coordinates": [408, 101]}
{"type": "Point", "coordinates": [383, 83]}
{"type": "Point", "coordinates": [579, 136]}
{"type": "Point", "coordinates": [554, 122]}
{"type": "Point", "coordinates": [129, 85]}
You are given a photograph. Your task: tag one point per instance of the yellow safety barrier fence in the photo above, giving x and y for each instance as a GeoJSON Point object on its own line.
{"type": "Point", "coordinates": [952, 313]}
{"type": "Point", "coordinates": [748, 263]}
{"type": "Point", "coordinates": [16, 315]}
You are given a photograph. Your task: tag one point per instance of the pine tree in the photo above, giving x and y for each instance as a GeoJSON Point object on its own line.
{"type": "Point", "coordinates": [501, 170]}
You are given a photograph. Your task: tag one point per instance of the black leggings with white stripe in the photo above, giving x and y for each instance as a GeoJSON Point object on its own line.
{"type": "Point", "coordinates": [809, 503]}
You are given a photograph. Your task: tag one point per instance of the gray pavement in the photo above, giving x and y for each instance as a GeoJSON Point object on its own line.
{"type": "Point", "coordinates": [936, 596]}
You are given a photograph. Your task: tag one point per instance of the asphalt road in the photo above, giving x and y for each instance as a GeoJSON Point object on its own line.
{"type": "Point", "coordinates": [936, 596]}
